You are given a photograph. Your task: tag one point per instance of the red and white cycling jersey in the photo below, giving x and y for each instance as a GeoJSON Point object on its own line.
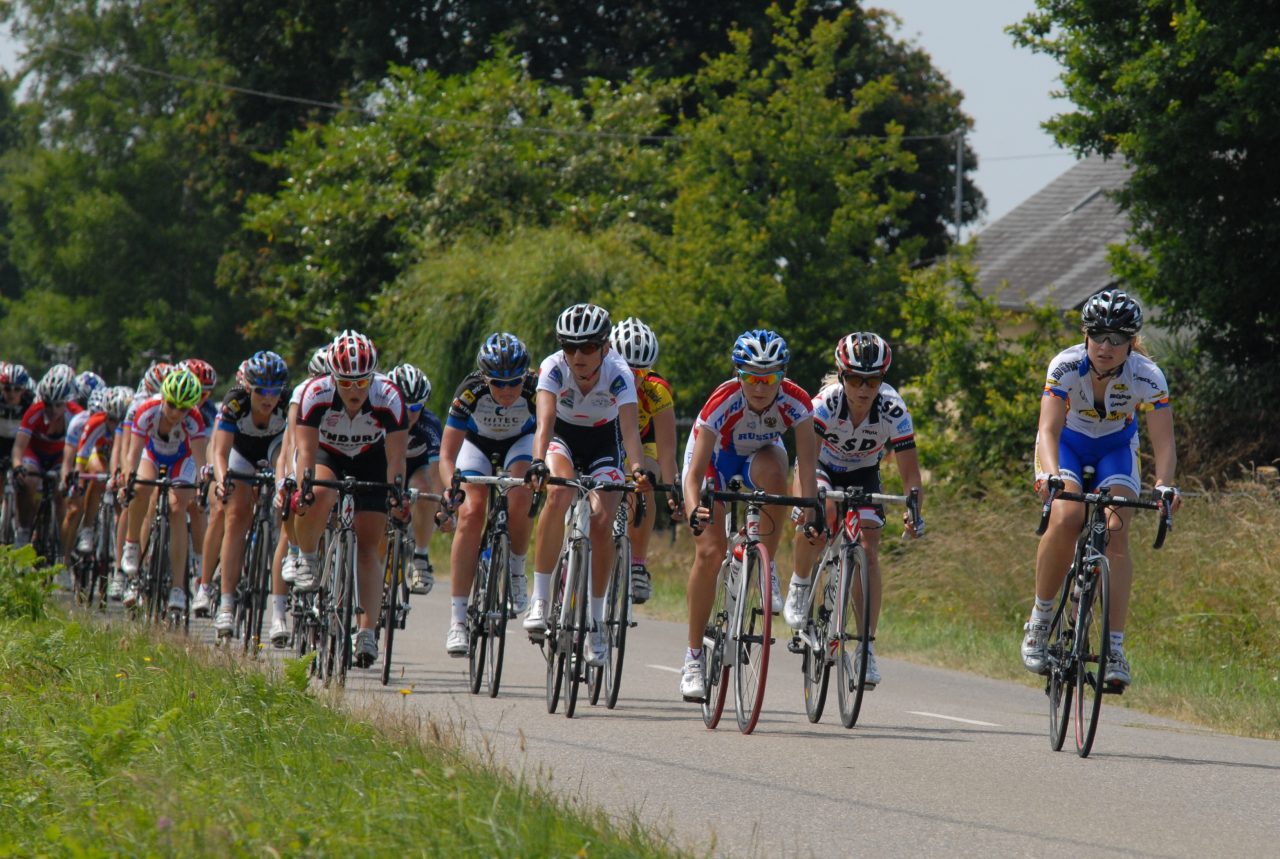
{"type": "Point", "coordinates": [46, 442]}
{"type": "Point", "coordinates": [146, 424]}
{"type": "Point", "coordinates": [740, 430]}
{"type": "Point", "coordinates": [382, 412]}
{"type": "Point", "coordinates": [615, 386]}
{"type": "Point", "coordinates": [846, 447]}
{"type": "Point", "coordinates": [1140, 384]}
{"type": "Point", "coordinates": [96, 438]}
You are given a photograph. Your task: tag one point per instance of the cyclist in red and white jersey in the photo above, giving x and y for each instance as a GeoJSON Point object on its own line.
{"type": "Point", "coordinates": [491, 419]}
{"type": "Point", "coordinates": [587, 418]}
{"type": "Point", "coordinates": [93, 453]}
{"type": "Point", "coordinates": [858, 419]}
{"type": "Point", "coordinates": [317, 366]}
{"type": "Point", "coordinates": [1088, 418]}
{"type": "Point", "coordinates": [93, 402]}
{"type": "Point", "coordinates": [738, 432]}
{"type": "Point", "coordinates": [352, 422]}
{"type": "Point", "coordinates": [39, 443]}
{"type": "Point", "coordinates": [167, 431]}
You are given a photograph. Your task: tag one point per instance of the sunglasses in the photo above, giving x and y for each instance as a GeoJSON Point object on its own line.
{"type": "Point", "coordinates": [268, 392]}
{"type": "Point", "coordinates": [1114, 338]}
{"type": "Point", "coordinates": [176, 407]}
{"type": "Point", "coordinates": [584, 348]}
{"type": "Point", "coordinates": [354, 383]}
{"type": "Point", "coordinates": [414, 408]}
{"type": "Point", "coordinates": [760, 378]}
{"type": "Point", "coordinates": [13, 389]}
{"type": "Point", "coordinates": [509, 383]}
{"type": "Point", "coordinates": [859, 381]}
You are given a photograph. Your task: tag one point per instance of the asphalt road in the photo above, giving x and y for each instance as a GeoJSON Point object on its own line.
{"type": "Point", "coordinates": [940, 761]}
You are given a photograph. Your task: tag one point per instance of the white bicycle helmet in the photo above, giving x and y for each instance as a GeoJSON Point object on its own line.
{"type": "Point", "coordinates": [864, 354]}
{"type": "Point", "coordinates": [636, 343]}
{"type": "Point", "coordinates": [412, 382]}
{"type": "Point", "coordinates": [583, 323]}
{"type": "Point", "coordinates": [58, 385]}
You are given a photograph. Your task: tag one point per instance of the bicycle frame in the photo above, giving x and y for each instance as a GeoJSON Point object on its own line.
{"type": "Point", "coordinates": [158, 546]}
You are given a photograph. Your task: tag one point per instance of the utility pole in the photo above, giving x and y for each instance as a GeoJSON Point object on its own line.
{"type": "Point", "coordinates": [959, 179]}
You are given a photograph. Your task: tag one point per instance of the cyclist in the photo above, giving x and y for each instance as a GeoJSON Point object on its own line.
{"type": "Point", "coordinates": [38, 445]}
{"type": "Point", "coordinates": [351, 422]}
{"type": "Point", "coordinates": [250, 428]}
{"type": "Point", "coordinates": [203, 522]}
{"type": "Point", "coordinates": [1088, 417]}
{"type": "Point", "coordinates": [858, 418]}
{"type": "Point", "coordinates": [93, 453]}
{"type": "Point", "coordinates": [738, 432]}
{"type": "Point", "coordinates": [167, 431]}
{"type": "Point", "coordinates": [15, 399]}
{"type": "Point", "coordinates": [490, 420]}
{"type": "Point", "coordinates": [93, 405]}
{"type": "Point", "coordinates": [638, 346]}
{"type": "Point", "coordinates": [317, 366]}
{"type": "Point", "coordinates": [587, 418]}
{"type": "Point", "coordinates": [422, 465]}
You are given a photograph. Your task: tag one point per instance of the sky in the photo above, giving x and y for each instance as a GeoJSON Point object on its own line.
{"type": "Point", "coordinates": [1006, 91]}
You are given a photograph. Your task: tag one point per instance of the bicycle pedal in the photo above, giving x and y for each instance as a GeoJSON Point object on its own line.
{"type": "Point", "coordinates": [632, 624]}
{"type": "Point", "coordinates": [357, 610]}
{"type": "Point", "coordinates": [796, 646]}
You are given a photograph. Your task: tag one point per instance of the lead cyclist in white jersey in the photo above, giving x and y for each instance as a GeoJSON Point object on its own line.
{"type": "Point", "coordinates": [1088, 417]}
{"type": "Point", "coordinates": [586, 417]}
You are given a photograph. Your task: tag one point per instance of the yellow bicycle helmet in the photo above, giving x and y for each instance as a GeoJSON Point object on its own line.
{"type": "Point", "coordinates": [181, 389]}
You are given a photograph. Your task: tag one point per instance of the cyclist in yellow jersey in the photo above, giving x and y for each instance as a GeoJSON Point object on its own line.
{"type": "Point", "coordinates": [638, 346]}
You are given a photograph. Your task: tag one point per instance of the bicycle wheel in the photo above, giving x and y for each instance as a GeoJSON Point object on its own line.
{"type": "Point", "coordinates": [346, 608]}
{"type": "Point", "coordinates": [391, 600]}
{"type": "Point", "coordinates": [498, 597]}
{"type": "Point", "coordinates": [715, 678]}
{"type": "Point", "coordinates": [580, 626]}
{"type": "Point", "coordinates": [478, 616]}
{"type": "Point", "coordinates": [158, 569]}
{"type": "Point", "coordinates": [817, 660]}
{"type": "Point", "coordinates": [751, 637]}
{"type": "Point", "coordinates": [1060, 682]}
{"type": "Point", "coordinates": [7, 505]}
{"type": "Point", "coordinates": [617, 620]}
{"type": "Point", "coordinates": [853, 618]}
{"type": "Point", "coordinates": [1093, 643]}
{"type": "Point", "coordinates": [248, 611]}
{"type": "Point", "coordinates": [329, 611]}
{"type": "Point", "coordinates": [552, 642]}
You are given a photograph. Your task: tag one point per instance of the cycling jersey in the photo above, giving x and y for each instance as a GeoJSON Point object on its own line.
{"type": "Point", "coordinates": [250, 440]}
{"type": "Point", "coordinates": [615, 386]}
{"type": "Point", "coordinates": [381, 413]}
{"type": "Point", "coordinates": [46, 441]}
{"type": "Point", "coordinates": [424, 441]}
{"type": "Point", "coordinates": [1139, 385]}
{"type": "Point", "coordinates": [140, 396]}
{"type": "Point", "coordinates": [474, 410]}
{"type": "Point", "coordinates": [176, 445]}
{"type": "Point", "coordinates": [738, 428]}
{"type": "Point", "coordinates": [75, 427]}
{"type": "Point", "coordinates": [653, 396]}
{"type": "Point", "coordinates": [845, 447]}
{"type": "Point", "coordinates": [97, 439]}
{"type": "Point", "coordinates": [11, 416]}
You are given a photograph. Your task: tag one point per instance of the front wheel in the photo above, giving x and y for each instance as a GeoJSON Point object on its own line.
{"type": "Point", "coordinates": [817, 660]}
{"type": "Point", "coordinates": [1093, 643]}
{"type": "Point", "coordinates": [392, 578]}
{"type": "Point", "coordinates": [853, 622]}
{"type": "Point", "coordinates": [553, 647]}
{"type": "Point", "coordinates": [495, 617]}
{"type": "Point", "coordinates": [750, 637]}
{"type": "Point", "coordinates": [580, 625]}
{"type": "Point", "coordinates": [617, 619]}
{"type": "Point", "coordinates": [715, 670]}
{"type": "Point", "coordinates": [1060, 682]}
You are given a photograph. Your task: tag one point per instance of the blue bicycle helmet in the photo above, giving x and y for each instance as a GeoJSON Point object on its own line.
{"type": "Point", "coordinates": [503, 356]}
{"type": "Point", "coordinates": [266, 370]}
{"type": "Point", "coordinates": [761, 350]}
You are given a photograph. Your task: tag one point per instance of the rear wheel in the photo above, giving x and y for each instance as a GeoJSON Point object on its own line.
{"type": "Point", "coordinates": [553, 639]}
{"type": "Point", "coordinates": [617, 620]}
{"type": "Point", "coordinates": [1060, 682]}
{"type": "Point", "coordinates": [853, 619]}
{"type": "Point", "coordinates": [715, 676]}
{"type": "Point", "coordinates": [817, 661]}
{"type": "Point", "coordinates": [1093, 643]}
{"type": "Point", "coordinates": [750, 639]}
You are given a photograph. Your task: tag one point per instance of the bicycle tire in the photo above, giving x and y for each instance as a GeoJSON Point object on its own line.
{"type": "Point", "coordinates": [617, 620]}
{"type": "Point", "coordinates": [159, 546]}
{"type": "Point", "coordinates": [552, 646]}
{"type": "Point", "coordinates": [7, 535]}
{"type": "Point", "coordinates": [1091, 665]}
{"type": "Point", "coordinates": [329, 615]}
{"type": "Point", "coordinates": [496, 614]}
{"type": "Point", "coordinates": [1060, 682]}
{"type": "Point", "coordinates": [854, 618]}
{"type": "Point", "coordinates": [246, 603]}
{"type": "Point", "coordinates": [817, 661]}
{"type": "Point", "coordinates": [477, 617]}
{"type": "Point", "coordinates": [580, 625]}
{"type": "Point", "coordinates": [715, 670]}
{"type": "Point", "coordinates": [751, 638]}
{"type": "Point", "coordinates": [346, 609]}
{"type": "Point", "coordinates": [391, 600]}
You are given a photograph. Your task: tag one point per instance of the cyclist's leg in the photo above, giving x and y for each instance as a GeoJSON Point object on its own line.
{"type": "Point", "coordinates": [551, 522]}
{"type": "Point", "coordinates": [141, 503]}
{"type": "Point", "coordinates": [237, 516]}
{"type": "Point", "coordinates": [604, 509]}
{"type": "Point", "coordinates": [1053, 554]}
{"type": "Point", "coordinates": [519, 523]}
{"type": "Point", "coordinates": [310, 523]}
{"type": "Point", "coordinates": [370, 525]}
{"type": "Point", "coordinates": [214, 538]}
{"type": "Point", "coordinates": [767, 469]}
{"type": "Point", "coordinates": [1119, 471]}
{"type": "Point", "coordinates": [180, 498]}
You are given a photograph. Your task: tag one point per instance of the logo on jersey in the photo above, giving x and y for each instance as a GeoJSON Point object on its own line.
{"type": "Point", "coordinates": [618, 385]}
{"type": "Point", "coordinates": [770, 421]}
{"type": "Point", "coordinates": [904, 425]}
{"type": "Point", "coordinates": [468, 397]}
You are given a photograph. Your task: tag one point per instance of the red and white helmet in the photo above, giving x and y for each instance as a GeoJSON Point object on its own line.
{"type": "Point", "coordinates": [352, 356]}
{"type": "Point", "coordinates": [153, 378]}
{"type": "Point", "coordinates": [864, 354]}
{"type": "Point", "coordinates": [203, 371]}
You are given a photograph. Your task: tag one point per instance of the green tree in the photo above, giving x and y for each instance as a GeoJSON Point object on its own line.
{"type": "Point", "coordinates": [1189, 93]}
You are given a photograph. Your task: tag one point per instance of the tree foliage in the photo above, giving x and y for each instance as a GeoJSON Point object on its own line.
{"type": "Point", "coordinates": [1189, 94]}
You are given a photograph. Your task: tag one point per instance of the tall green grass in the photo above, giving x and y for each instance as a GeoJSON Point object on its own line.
{"type": "Point", "coordinates": [1203, 634]}
{"type": "Point", "coordinates": [116, 743]}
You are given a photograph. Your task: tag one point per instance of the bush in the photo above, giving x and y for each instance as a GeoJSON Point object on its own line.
{"type": "Point", "coordinates": [24, 587]}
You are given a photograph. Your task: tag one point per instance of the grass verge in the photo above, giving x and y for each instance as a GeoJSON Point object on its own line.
{"type": "Point", "coordinates": [1204, 627]}
{"type": "Point", "coordinates": [115, 743]}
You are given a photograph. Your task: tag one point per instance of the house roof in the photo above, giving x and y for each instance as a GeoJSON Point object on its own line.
{"type": "Point", "coordinates": [1052, 249]}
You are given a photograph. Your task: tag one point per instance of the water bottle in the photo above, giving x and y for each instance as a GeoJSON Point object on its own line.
{"type": "Point", "coordinates": [485, 554]}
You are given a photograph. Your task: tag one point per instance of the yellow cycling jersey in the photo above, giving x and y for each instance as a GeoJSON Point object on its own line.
{"type": "Point", "coordinates": [653, 396]}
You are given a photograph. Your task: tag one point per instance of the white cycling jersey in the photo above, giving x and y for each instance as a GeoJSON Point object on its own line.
{"type": "Point", "coordinates": [614, 387]}
{"type": "Point", "coordinates": [1140, 384]}
{"type": "Point", "coordinates": [846, 447]}
{"type": "Point", "coordinates": [383, 412]}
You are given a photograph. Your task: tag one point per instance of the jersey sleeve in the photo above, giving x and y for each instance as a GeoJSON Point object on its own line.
{"type": "Point", "coordinates": [1061, 370]}
{"type": "Point", "coordinates": [463, 405]}
{"type": "Point", "coordinates": [901, 433]}
{"type": "Point", "coordinates": [658, 390]}
{"type": "Point", "coordinates": [550, 376]}
{"type": "Point", "coordinates": [1153, 389]}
